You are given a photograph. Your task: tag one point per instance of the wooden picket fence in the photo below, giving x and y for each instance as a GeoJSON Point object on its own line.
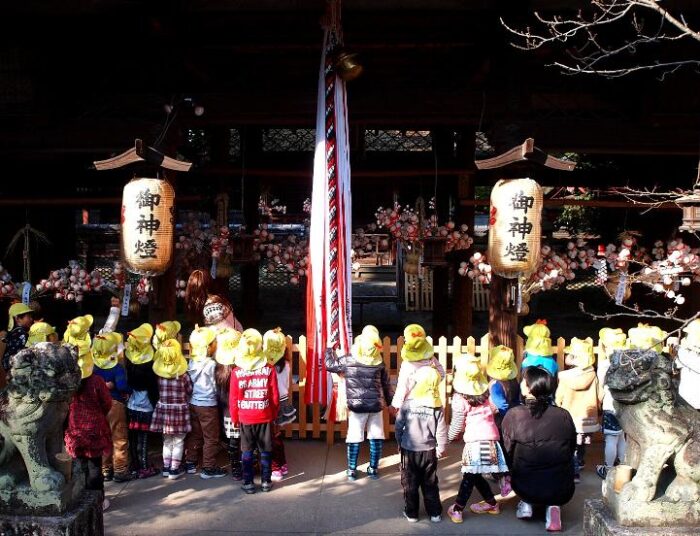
{"type": "Point", "coordinates": [310, 423]}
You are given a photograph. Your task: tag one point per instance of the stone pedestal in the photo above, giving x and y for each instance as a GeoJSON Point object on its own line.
{"type": "Point", "coordinates": [85, 518]}
{"type": "Point", "coordinates": [598, 520]}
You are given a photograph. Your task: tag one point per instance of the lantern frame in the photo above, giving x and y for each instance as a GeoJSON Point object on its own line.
{"type": "Point", "coordinates": [690, 204]}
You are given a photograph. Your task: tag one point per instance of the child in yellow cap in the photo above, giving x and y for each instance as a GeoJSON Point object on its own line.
{"type": "Point", "coordinates": [368, 393]}
{"type": "Point", "coordinates": [41, 332]}
{"type": "Point", "coordinates": [472, 418]}
{"type": "Point", "coordinates": [78, 330]}
{"type": "Point", "coordinates": [581, 394]}
{"type": "Point", "coordinates": [421, 433]}
{"type": "Point", "coordinates": [226, 342]}
{"type": "Point", "coordinates": [615, 444]}
{"type": "Point", "coordinates": [416, 352]}
{"type": "Point", "coordinates": [105, 352]}
{"type": "Point", "coordinates": [275, 348]}
{"type": "Point", "coordinates": [171, 416]}
{"type": "Point", "coordinates": [17, 331]}
{"type": "Point", "coordinates": [203, 440]}
{"type": "Point", "coordinates": [164, 331]}
{"type": "Point", "coordinates": [538, 348]}
{"type": "Point", "coordinates": [144, 395]}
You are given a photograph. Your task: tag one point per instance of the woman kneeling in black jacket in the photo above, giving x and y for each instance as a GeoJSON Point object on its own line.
{"type": "Point", "coordinates": [368, 393]}
{"type": "Point", "coordinates": [539, 441]}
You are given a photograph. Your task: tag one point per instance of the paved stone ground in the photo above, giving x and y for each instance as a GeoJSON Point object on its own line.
{"type": "Point", "coordinates": [316, 498]}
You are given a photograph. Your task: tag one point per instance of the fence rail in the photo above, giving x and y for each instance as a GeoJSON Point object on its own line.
{"type": "Point", "coordinates": [311, 424]}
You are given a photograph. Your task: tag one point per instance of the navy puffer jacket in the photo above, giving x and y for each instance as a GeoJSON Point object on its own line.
{"type": "Point", "coordinates": [367, 386]}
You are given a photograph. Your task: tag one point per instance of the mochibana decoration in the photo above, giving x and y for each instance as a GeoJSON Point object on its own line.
{"type": "Point", "coordinates": [328, 288]}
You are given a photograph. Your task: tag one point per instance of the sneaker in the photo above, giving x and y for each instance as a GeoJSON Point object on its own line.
{"type": "Point", "coordinates": [237, 474]}
{"type": "Point", "coordinates": [174, 474]}
{"type": "Point", "coordinates": [435, 519]}
{"type": "Point", "coordinates": [485, 508]}
{"type": "Point", "coordinates": [602, 471]}
{"type": "Point", "coordinates": [285, 470]}
{"type": "Point", "coordinates": [351, 474]}
{"type": "Point", "coordinates": [277, 476]}
{"type": "Point", "coordinates": [148, 473]}
{"type": "Point", "coordinates": [524, 510]}
{"type": "Point", "coordinates": [409, 518]}
{"type": "Point", "coordinates": [125, 477]}
{"type": "Point", "coordinates": [166, 472]}
{"type": "Point", "coordinates": [249, 488]}
{"type": "Point", "coordinates": [266, 486]}
{"type": "Point", "coordinates": [506, 488]}
{"type": "Point", "coordinates": [108, 476]}
{"type": "Point", "coordinates": [553, 519]}
{"type": "Point", "coordinates": [105, 504]}
{"type": "Point", "coordinates": [191, 468]}
{"type": "Point", "coordinates": [373, 473]}
{"type": "Point", "coordinates": [216, 472]}
{"type": "Point", "coordinates": [454, 514]}
{"type": "Point", "coordinates": [577, 478]}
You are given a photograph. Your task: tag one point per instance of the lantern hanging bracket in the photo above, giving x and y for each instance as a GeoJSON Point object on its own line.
{"type": "Point", "coordinates": [142, 153]}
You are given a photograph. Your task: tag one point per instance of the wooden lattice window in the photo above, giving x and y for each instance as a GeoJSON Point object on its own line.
{"type": "Point", "coordinates": [288, 139]}
{"type": "Point", "coordinates": [234, 145]}
{"type": "Point", "coordinates": [398, 140]}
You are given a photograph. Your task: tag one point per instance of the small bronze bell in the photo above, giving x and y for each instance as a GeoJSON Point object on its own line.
{"type": "Point", "coordinates": [346, 65]}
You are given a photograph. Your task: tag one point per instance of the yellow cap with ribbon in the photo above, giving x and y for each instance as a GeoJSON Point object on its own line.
{"type": "Point", "coordinates": [17, 309]}
{"type": "Point", "coordinates": [138, 348]}
{"type": "Point", "coordinates": [78, 330]}
{"type": "Point", "coordinates": [105, 350]}
{"type": "Point", "coordinates": [200, 339]}
{"type": "Point", "coordinates": [415, 345]}
{"type": "Point", "coordinates": [40, 332]}
{"type": "Point", "coordinates": [468, 377]}
{"type": "Point", "coordinates": [164, 331]}
{"type": "Point", "coordinates": [581, 352]}
{"type": "Point", "coordinates": [426, 391]}
{"type": "Point", "coordinates": [539, 340]}
{"type": "Point", "coordinates": [611, 339]}
{"type": "Point", "coordinates": [367, 348]}
{"type": "Point", "coordinates": [501, 364]}
{"type": "Point", "coordinates": [249, 352]}
{"type": "Point", "coordinates": [169, 362]}
{"type": "Point", "coordinates": [274, 345]}
{"type": "Point", "coordinates": [646, 337]}
{"type": "Point", "coordinates": [226, 343]}
{"type": "Point", "coordinates": [85, 361]}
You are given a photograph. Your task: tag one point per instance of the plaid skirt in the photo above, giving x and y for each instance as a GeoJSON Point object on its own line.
{"type": "Point", "coordinates": [171, 419]}
{"type": "Point", "coordinates": [229, 429]}
{"type": "Point", "coordinates": [483, 457]}
{"type": "Point", "coordinates": [139, 420]}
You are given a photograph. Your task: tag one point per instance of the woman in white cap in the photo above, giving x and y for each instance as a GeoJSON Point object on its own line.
{"type": "Point", "coordinates": [210, 309]}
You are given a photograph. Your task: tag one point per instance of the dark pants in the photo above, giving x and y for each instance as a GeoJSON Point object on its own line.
{"type": "Point", "coordinates": [469, 481]}
{"type": "Point", "coordinates": [279, 457]}
{"type": "Point", "coordinates": [92, 469]}
{"type": "Point", "coordinates": [256, 436]}
{"type": "Point", "coordinates": [419, 472]}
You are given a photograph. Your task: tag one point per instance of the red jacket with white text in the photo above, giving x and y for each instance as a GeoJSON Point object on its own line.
{"type": "Point", "coordinates": [253, 395]}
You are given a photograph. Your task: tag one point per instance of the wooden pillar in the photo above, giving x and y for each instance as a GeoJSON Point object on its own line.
{"type": "Point", "coordinates": [219, 137]}
{"type": "Point", "coordinates": [251, 139]}
{"type": "Point", "coordinates": [462, 286]}
{"type": "Point", "coordinates": [503, 321]}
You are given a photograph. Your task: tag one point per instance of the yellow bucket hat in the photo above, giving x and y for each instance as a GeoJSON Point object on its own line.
{"type": "Point", "coordinates": [249, 352]}
{"type": "Point", "coordinates": [78, 329]}
{"type": "Point", "coordinates": [169, 362]}
{"type": "Point", "coordinates": [426, 391]}
{"type": "Point", "coordinates": [501, 364]}
{"type": "Point", "coordinates": [612, 339]}
{"type": "Point", "coordinates": [226, 342]}
{"type": "Point", "coordinates": [538, 329]}
{"type": "Point", "coordinates": [17, 309]}
{"type": "Point", "coordinates": [367, 348]}
{"type": "Point", "coordinates": [105, 350]}
{"type": "Point", "coordinates": [538, 339]}
{"type": "Point", "coordinates": [415, 345]}
{"type": "Point", "coordinates": [692, 338]}
{"type": "Point", "coordinates": [274, 345]}
{"type": "Point", "coordinates": [164, 331]}
{"type": "Point", "coordinates": [200, 339]}
{"type": "Point", "coordinates": [646, 337]}
{"type": "Point", "coordinates": [582, 352]}
{"type": "Point", "coordinates": [138, 347]}
{"type": "Point", "coordinates": [85, 361]}
{"type": "Point", "coordinates": [468, 378]}
{"type": "Point", "coordinates": [39, 332]}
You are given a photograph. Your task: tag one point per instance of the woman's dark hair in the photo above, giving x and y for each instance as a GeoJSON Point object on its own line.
{"type": "Point", "coordinates": [542, 386]}
{"type": "Point", "coordinates": [477, 400]}
{"type": "Point", "coordinates": [222, 376]}
{"type": "Point", "coordinates": [196, 294]}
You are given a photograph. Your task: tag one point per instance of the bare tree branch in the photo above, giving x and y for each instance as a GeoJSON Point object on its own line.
{"type": "Point", "coordinates": [584, 35]}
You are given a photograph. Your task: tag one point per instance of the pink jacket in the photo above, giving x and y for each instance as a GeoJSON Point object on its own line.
{"type": "Point", "coordinates": [476, 422]}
